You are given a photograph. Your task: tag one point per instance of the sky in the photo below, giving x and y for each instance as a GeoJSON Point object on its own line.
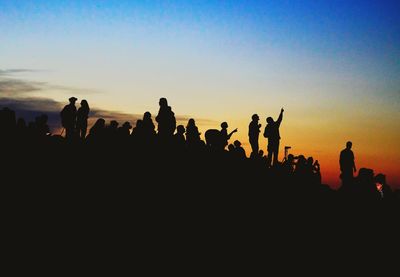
{"type": "Point", "coordinates": [334, 66]}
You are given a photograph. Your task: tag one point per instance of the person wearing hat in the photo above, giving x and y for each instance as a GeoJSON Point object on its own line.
{"type": "Point", "coordinates": [254, 132]}
{"type": "Point", "coordinates": [68, 118]}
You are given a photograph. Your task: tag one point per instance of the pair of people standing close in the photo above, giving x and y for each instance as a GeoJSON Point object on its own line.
{"type": "Point", "coordinates": [271, 132]}
{"type": "Point", "coordinates": [75, 121]}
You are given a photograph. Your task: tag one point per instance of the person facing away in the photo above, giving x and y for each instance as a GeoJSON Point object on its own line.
{"type": "Point", "coordinates": [138, 130]}
{"type": "Point", "coordinates": [272, 133]}
{"type": "Point", "coordinates": [148, 126]}
{"type": "Point", "coordinates": [192, 133]}
{"type": "Point", "coordinates": [82, 119]}
{"type": "Point", "coordinates": [124, 130]}
{"type": "Point", "coordinates": [165, 119]}
{"type": "Point", "coordinates": [254, 131]}
{"type": "Point", "coordinates": [68, 118]}
{"type": "Point", "coordinates": [97, 131]}
{"type": "Point", "coordinates": [224, 133]}
{"type": "Point", "coordinates": [179, 137]}
{"type": "Point", "coordinates": [347, 163]}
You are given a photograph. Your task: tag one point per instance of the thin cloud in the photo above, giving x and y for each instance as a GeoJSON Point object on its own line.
{"type": "Point", "coordinates": [183, 119]}
{"type": "Point", "coordinates": [5, 72]}
{"type": "Point", "coordinates": [14, 87]}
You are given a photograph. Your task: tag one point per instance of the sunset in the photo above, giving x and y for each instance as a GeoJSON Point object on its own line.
{"type": "Point", "coordinates": [199, 137]}
{"type": "Point", "coordinates": [333, 66]}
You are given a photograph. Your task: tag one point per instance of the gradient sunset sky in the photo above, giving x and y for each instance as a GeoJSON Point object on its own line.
{"type": "Point", "coordinates": [333, 65]}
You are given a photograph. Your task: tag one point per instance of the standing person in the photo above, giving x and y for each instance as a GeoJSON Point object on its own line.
{"type": "Point", "coordinates": [82, 119]}
{"type": "Point", "coordinates": [148, 126]}
{"type": "Point", "coordinates": [272, 133]}
{"type": "Point", "coordinates": [254, 132]}
{"type": "Point", "coordinates": [68, 118]}
{"type": "Point", "coordinates": [224, 134]}
{"type": "Point", "coordinates": [347, 163]}
{"type": "Point", "coordinates": [165, 119]}
{"type": "Point", "coordinates": [192, 133]}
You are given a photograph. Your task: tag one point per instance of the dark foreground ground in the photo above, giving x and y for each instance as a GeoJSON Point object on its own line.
{"type": "Point", "coordinates": [190, 207]}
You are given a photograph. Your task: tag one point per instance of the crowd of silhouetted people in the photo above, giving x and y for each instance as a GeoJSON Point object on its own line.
{"type": "Point", "coordinates": [157, 144]}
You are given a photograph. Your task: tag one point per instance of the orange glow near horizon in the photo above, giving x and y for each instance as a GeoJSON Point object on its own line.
{"type": "Point", "coordinates": [332, 65]}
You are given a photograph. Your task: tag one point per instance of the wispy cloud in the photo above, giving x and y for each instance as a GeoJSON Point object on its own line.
{"type": "Point", "coordinates": [15, 87]}
{"type": "Point", "coordinates": [6, 72]}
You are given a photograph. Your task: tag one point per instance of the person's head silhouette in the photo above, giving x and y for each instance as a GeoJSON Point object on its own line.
{"type": "Point", "coordinates": [180, 129]}
{"type": "Point", "coordinates": [224, 125]}
{"type": "Point", "coordinates": [147, 115]}
{"type": "Point", "coordinates": [191, 122]}
{"type": "Point", "coordinates": [127, 125]}
{"type": "Point", "coordinates": [84, 104]}
{"type": "Point", "coordinates": [113, 124]}
{"type": "Point", "coordinates": [270, 120]}
{"type": "Point", "coordinates": [139, 123]}
{"type": "Point", "coordinates": [237, 143]}
{"type": "Point", "coordinates": [72, 100]}
{"type": "Point", "coordinates": [349, 144]}
{"type": "Point", "coordinates": [255, 117]}
{"type": "Point", "coordinates": [163, 102]}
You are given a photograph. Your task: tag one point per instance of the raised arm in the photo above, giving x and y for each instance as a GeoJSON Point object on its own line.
{"type": "Point", "coordinates": [231, 133]}
{"type": "Point", "coordinates": [280, 117]}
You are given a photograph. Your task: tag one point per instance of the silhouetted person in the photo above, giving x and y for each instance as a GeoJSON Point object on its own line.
{"type": "Point", "coordinates": [192, 133]}
{"type": "Point", "coordinates": [165, 119]}
{"type": "Point", "coordinates": [365, 186]}
{"type": "Point", "coordinates": [288, 164]}
{"type": "Point", "coordinates": [82, 119]}
{"type": "Point", "coordinates": [224, 133]}
{"type": "Point", "coordinates": [272, 133]}
{"type": "Point", "coordinates": [179, 137]}
{"type": "Point", "coordinates": [124, 130]}
{"type": "Point", "coordinates": [112, 130]}
{"type": "Point", "coordinates": [347, 163]}
{"type": "Point", "coordinates": [254, 132]}
{"type": "Point", "coordinates": [383, 188]}
{"type": "Point", "coordinates": [97, 132]}
{"type": "Point", "coordinates": [137, 132]}
{"type": "Point", "coordinates": [232, 151]}
{"type": "Point", "coordinates": [240, 152]}
{"type": "Point", "coordinates": [301, 166]}
{"type": "Point", "coordinates": [148, 127]}
{"type": "Point", "coordinates": [68, 118]}
{"type": "Point", "coordinates": [313, 171]}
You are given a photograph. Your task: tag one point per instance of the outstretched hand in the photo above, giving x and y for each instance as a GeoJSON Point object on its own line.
{"type": "Point", "coordinates": [235, 130]}
{"type": "Point", "coordinates": [282, 110]}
